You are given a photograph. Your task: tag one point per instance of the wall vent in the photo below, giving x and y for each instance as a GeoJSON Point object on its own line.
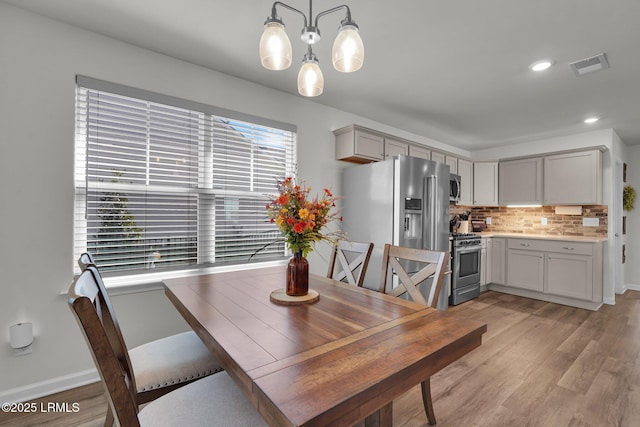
{"type": "Point", "coordinates": [590, 65]}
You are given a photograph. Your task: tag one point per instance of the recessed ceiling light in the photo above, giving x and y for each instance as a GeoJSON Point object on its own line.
{"type": "Point", "coordinates": [541, 65]}
{"type": "Point", "coordinates": [591, 120]}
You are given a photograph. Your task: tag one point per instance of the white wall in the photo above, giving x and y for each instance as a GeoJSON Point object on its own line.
{"type": "Point", "coordinates": [39, 59]}
{"type": "Point", "coordinates": [632, 266]}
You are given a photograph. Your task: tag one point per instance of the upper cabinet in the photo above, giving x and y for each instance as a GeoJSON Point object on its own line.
{"type": "Point", "coordinates": [453, 164]}
{"type": "Point", "coordinates": [437, 157]}
{"type": "Point", "coordinates": [422, 153]}
{"type": "Point", "coordinates": [465, 170]}
{"type": "Point", "coordinates": [485, 184]}
{"type": "Point", "coordinates": [520, 182]}
{"type": "Point", "coordinates": [573, 178]}
{"type": "Point", "coordinates": [393, 147]}
{"type": "Point", "coordinates": [358, 145]}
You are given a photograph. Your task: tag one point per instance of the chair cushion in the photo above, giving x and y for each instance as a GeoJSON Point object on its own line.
{"type": "Point", "coordinates": [171, 360]}
{"type": "Point", "coordinates": [211, 401]}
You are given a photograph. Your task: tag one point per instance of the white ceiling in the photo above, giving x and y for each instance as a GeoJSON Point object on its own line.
{"type": "Point", "coordinates": [451, 70]}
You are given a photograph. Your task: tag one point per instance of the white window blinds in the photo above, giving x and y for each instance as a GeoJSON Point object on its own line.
{"type": "Point", "coordinates": [163, 182]}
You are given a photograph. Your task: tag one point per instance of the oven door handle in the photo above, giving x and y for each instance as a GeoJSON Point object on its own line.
{"type": "Point", "coordinates": [467, 250]}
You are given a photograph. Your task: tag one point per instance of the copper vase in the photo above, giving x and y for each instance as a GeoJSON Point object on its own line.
{"type": "Point", "coordinates": [297, 275]}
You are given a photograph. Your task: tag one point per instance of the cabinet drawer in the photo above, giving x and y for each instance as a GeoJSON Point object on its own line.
{"type": "Point", "coordinates": [526, 244]}
{"type": "Point", "coordinates": [564, 247]}
{"type": "Point", "coordinates": [559, 246]}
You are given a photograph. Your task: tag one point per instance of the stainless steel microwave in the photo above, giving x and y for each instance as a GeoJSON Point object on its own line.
{"type": "Point", "coordinates": [454, 188]}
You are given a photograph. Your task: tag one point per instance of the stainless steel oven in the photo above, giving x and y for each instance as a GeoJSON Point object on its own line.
{"type": "Point", "coordinates": [466, 264]}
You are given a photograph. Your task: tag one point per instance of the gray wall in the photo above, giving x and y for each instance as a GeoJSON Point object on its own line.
{"type": "Point", "coordinates": [39, 59]}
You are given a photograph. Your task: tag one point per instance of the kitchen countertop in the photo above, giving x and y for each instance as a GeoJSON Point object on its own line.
{"type": "Point", "coordinates": [591, 239]}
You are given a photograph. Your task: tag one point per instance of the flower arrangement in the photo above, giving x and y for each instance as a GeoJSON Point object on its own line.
{"type": "Point", "coordinates": [300, 218]}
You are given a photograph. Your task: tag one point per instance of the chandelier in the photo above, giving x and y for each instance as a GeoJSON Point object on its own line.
{"type": "Point", "coordinates": [275, 47]}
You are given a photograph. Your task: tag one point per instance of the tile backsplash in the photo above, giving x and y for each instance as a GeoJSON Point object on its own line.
{"type": "Point", "coordinates": [527, 220]}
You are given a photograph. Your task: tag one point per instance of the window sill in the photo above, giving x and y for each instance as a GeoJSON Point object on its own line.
{"type": "Point", "coordinates": [153, 281]}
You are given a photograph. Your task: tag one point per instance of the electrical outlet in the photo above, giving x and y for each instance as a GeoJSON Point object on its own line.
{"type": "Point", "coordinates": [591, 222]}
{"type": "Point", "coordinates": [543, 221]}
{"type": "Point", "coordinates": [487, 220]}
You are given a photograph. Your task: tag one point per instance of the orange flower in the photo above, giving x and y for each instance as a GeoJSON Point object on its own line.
{"type": "Point", "coordinates": [283, 199]}
{"type": "Point", "coordinates": [299, 227]}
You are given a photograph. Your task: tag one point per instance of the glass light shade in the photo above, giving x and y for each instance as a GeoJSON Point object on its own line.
{"type": "Point", "coordinates": [310, 79]}
{"type": "Point", "coordinates": [348, 50]}
{"type": "Point", "coordinates": [275, 47]}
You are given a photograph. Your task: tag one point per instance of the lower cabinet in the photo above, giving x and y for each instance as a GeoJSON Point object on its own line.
{"type": "Point", "coordinates": [496, 261]}
{"type": "Point", "coordinates": [570, 275]}
{"type": "Point", "coordinates": [525, 269]}
{"type": "Point", "coordinates": [565, 272]}
{"type": "Point", "coordinates": [485, 275]}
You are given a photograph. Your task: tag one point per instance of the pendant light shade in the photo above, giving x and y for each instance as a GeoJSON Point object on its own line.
{"type": "Point", "coordinates": [348, 50]}
{"type": "Point", "coordinates": [275, 47]}
{"type": "Point", "coordinates": [310, 79]}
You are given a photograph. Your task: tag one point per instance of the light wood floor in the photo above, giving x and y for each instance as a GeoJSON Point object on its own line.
{"type": "Point", "coordinates": [540, 364]}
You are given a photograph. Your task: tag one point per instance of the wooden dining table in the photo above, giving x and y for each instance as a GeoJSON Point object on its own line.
{"type": "Point", "coordinates": [337, 362]}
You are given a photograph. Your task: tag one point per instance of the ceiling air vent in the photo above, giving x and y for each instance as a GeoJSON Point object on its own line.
{"type": "Point", "coordinates": [590, 65]}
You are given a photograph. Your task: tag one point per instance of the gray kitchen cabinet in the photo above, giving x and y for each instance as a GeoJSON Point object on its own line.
{"type": "Point", "coordinates": [465, 170]}
{"type": "Point", "coordinates": [358, 145]}
{"type": "Point", "coordinates": [452, 162]}
{"type": "Point", "coordinates": [422, 153]}
{"type": "Point", "coordinates": [485, 184]}
{"type": "Point", "coordinates": [497, 255]}
{"type": "Point", "coordinates": [573, 178]}
{"type": "Point", "coordinates": [560, 271]}
{"type": "Point", "coordinates": [520, 182]}
{"type": "Point", "coordinates": [437, 157]}
{"type": "Point", "coordinates": [525, 269]}
{"type": "Point", "coordinates": [485, 262]}
{"type": "Point", "coordinates": [393, 147]}
{"type": "Point", "coordinates": [570, 275]}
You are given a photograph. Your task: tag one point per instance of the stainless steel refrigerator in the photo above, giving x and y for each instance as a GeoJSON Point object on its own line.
{"type": "Point", "coordinates": [403, 201]}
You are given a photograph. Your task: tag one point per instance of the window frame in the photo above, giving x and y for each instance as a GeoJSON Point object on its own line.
{"type": "Point", "coordinates": [82, 185]}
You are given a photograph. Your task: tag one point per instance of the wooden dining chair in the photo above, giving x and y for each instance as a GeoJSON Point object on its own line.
{"type": "Point", "coordinates": [162, 365]}
{"type": "Point", "coordinates": [432, 265]}
{"type": "Point", "coordinates": [213, 401]}
{"type": "Point", "coordinates": [353, 260]}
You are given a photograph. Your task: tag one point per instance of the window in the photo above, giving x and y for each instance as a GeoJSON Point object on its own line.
{"type": "Point", "coordinates": [164, 182]}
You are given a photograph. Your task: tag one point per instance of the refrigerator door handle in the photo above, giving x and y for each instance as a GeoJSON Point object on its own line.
{"type": "Point", "coordinates": [431, 190]}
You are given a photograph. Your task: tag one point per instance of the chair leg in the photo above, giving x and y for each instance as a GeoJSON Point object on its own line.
{"type": "Point", "coordinates": [108, 421]}
{"type": "Point", "coordinates": [426, 400]}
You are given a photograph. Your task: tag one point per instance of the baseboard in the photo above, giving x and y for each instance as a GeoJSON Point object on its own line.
{"type": "Point", "coordinates": [631, 287]}
{"type": "Point", "coordinates": [609, 301]}
{"type": "Point", "coordinates": [54, 385]}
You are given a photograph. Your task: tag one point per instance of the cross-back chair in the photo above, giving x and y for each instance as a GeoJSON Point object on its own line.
{"type": "Point", "coordinates": [160, 366]}
{"type": "Point", "coordinates": [432, 265]}
{"type": "Point", "coordinates": [352, 259]}
{"type": "Point", "coordinates": [214, 400]}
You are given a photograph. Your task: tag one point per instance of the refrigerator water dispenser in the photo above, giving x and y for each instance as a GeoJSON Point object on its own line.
{"type": "Point", "coordinates": [412, 218]}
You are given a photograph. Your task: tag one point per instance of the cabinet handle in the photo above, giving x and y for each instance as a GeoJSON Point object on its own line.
{"type": "Point", "coordinates": [568, 248]}
{"type": "Point", "coordinates": [525, 244]}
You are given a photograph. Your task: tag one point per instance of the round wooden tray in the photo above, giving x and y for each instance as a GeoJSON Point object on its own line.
{"type": "Point", "coordinates": [280, 297]}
